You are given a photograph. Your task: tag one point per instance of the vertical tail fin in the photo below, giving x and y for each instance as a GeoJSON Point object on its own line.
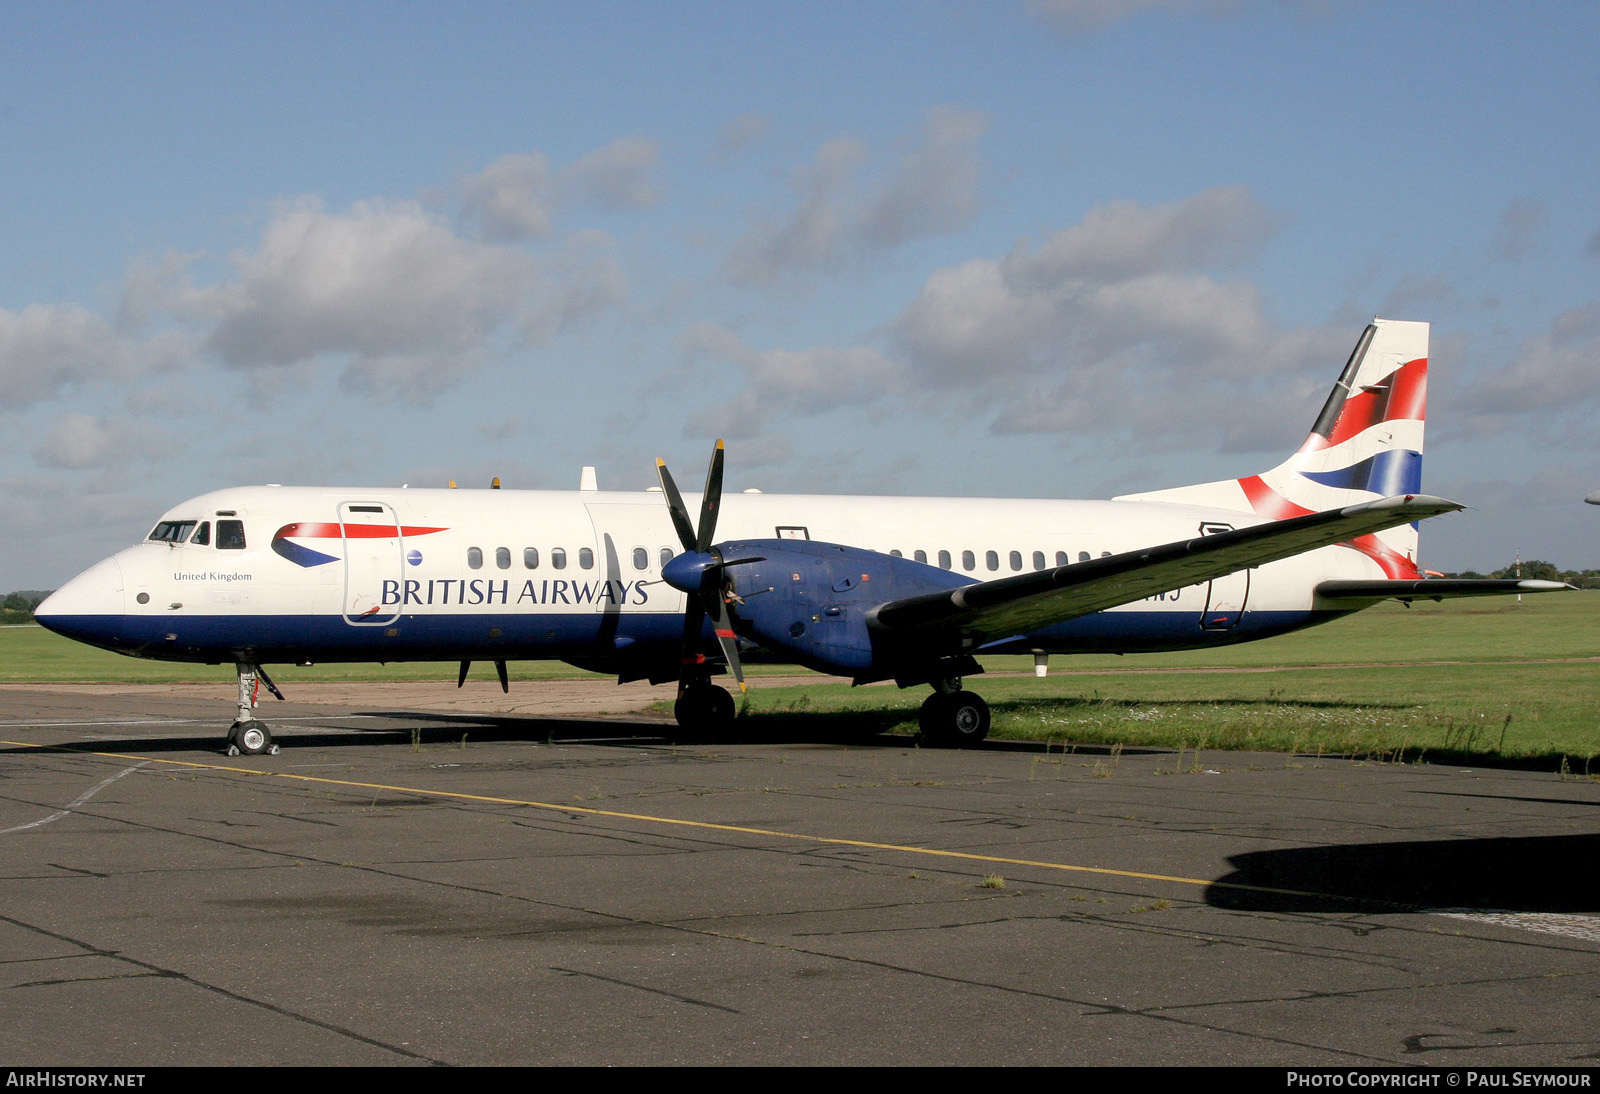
{"type": "Point", "coordinates": [1366, 444]}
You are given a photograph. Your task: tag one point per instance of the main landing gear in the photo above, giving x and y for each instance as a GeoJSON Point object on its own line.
{"type": "Point", "coordinates": [704, 709]}
{"type": "Point", "coordinates": [953, 718]}
{"type": "Point", "coordinates": [248, 737]}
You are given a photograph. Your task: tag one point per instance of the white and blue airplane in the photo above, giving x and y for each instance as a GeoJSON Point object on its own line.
{"type": "Point", "coordinates": [873, 588]}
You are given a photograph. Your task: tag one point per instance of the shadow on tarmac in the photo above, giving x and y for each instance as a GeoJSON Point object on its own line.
{"type": "Point", "coordinates": [1519, 874]}
{"type": "Point", "coordinates": [866, 729]}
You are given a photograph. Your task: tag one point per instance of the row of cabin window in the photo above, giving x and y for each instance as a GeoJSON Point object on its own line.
{"type": "Point", "coordinates": [558, 558]}
{"type": "Point", "coordinates": [991, 559]}
{"type": "Point", "coordinates": [641, 558]}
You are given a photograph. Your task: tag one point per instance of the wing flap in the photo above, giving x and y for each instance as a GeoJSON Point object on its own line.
{"type": "Point", "coordinates": [991, 610]}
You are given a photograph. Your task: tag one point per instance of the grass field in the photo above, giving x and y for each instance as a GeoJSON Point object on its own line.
{"type": "Point", "coordinates": [33, 655]}
{"type": "Point", "coordinates": [1465, 680]}
{"type": "Point", "coordinates": [1484, 680]}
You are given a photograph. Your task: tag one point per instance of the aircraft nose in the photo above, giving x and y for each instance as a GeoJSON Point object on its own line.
{"type": "Point", "coordinates": [88, 608]}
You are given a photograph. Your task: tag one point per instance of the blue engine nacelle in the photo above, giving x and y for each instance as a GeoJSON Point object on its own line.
{"type": "Point", "coordinates": [810, 601]}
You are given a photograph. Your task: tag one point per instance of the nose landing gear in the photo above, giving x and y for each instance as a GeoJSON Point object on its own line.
{"type": "Point", "coordinates": [247, 736]}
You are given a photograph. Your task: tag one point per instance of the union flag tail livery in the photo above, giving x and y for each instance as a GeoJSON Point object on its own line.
{"type": "Point", "coordinates": [1366, 444]}
{"type": "Point", "coordinates": [914, 590]}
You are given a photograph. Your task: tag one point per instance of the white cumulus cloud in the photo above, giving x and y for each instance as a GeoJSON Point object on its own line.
{"type": "Point", "coordinates": [518, 196]}
{"type": "Point", "coordinates": [1118, 324]}
{"type": "Point", "coordinates": [393, 293]}
{"type": "Point", "coordinates": [837, 217]}
{"type": "Point", "coordinates": [47, 348]}
{"type": "Point", "coordinates": [79, 441]}
{"type": "Point", "coordinates": [1552, 377]}
{"type": "Point", "coordinates": [779, 385]}
{"type": "Point", "coordinates": [384, 278]}
{"type": "Point", "coordinates": [511, 197]}
{"type": "Point", "coordinates": [1127, 274]}
{"type": "Point", "coordinates": [1222, 226]}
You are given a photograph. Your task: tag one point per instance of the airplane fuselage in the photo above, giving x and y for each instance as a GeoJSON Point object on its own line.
{"type": "Point", "coordinates": [296, 574]}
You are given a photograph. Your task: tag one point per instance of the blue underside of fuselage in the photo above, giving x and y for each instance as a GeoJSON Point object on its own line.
{"type": "Point", "coordinates": [588, 637]}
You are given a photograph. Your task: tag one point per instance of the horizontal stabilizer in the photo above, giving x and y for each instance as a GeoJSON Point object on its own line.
{"type": "Point", "coordinates": [1434, 588]}
{"type": "Point", "coordinates": [991, 610]}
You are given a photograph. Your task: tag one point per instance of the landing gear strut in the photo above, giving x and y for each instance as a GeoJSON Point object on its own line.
{"type": "Point", "coordinates": [953, 718]}
{"type": "Point", "coordinates": [705, 709]}
{"type": "Point", "coordinates": [248, 737]}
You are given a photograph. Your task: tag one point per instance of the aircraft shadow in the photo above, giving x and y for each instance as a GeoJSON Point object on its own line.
{"type": "Point", "coordinates": [1523, 874]}
{"type": "Point", "coordinates": [863, 729]}
{"type": "Point", "coordinates": [860, 728]}
{"type": "Point", "coordinates": [1083, 702]}
{"type": "Point", "coordinates": [435, 730]}
{"type": "Point", "coordinates": [421, 730]}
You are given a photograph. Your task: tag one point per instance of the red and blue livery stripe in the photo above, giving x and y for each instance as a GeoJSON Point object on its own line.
{"type": "Point", "coordinates": [284, 545]}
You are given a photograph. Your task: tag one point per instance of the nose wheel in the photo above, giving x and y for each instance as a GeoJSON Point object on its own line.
{"type": "Point", "coordinates": [251, 738]}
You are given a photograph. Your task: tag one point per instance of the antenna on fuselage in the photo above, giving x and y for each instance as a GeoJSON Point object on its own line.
{"type": "Point", "coordinates": [461, 678]}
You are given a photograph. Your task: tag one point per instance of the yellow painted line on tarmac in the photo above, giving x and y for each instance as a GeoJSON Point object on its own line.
{"type": "Point", "coordinates": [648, 818]}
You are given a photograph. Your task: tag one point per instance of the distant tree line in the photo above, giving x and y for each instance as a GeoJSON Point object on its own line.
{"type": "Point", "coordinates": [1540, 570]}
{"type": "Point", "coordinates": [18, 607]}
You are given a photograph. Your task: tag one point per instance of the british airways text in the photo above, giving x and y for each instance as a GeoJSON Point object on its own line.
{"type": "Point", "coordinates": [487, 591]}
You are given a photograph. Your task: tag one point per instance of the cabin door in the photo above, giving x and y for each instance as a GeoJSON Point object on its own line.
{"type": "Point", "coordinates": [373, 563]}
{"type": "Point", "coordinates": [628, 540]}
{"type": "Point", "coordinates": [1225, 596]}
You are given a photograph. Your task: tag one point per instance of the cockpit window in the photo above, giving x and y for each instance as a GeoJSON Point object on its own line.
{"type": "Point", "coordinates": [202, 534]}
{"type": "Point", "coordinates": [172, 531]}
{"type": "Point", "coordinates": [230, 535]}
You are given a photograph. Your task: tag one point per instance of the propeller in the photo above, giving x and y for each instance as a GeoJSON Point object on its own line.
{"type": "Point", "coordinates": [699, 572]}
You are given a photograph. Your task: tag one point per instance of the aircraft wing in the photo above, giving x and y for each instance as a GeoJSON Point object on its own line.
{"type": "Point", "coordinates": [991, 610]}
{"type": "Point", "coordinates": [1433, 588]}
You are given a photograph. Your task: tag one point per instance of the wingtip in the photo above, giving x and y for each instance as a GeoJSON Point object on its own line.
{"type": "Point", "coordinates": [1427, 503]}
{"type": "Point", "coordinates": [1537, 585]}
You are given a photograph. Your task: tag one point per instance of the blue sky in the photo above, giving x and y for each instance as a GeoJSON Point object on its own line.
{"type": "Point", "coordinates": [1045, 249]}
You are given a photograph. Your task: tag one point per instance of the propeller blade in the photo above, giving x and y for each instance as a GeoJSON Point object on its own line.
{"type": "Point", "coordinates": [500, 670]}
{"type": "Point", "coordinates": [461, 677]}
{"type": "Point", "coordinates": [727, 639]}
{"type": "Point", "coordinates": [694, 618]}
{"type": "Point", "coordinates": [675, 506]}
{"type": "Point", "coordinates": [710, 501]}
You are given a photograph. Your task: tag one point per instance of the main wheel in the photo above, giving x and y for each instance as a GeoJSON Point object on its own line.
{"type": "Point", "coordinates": [705, 709]}
{"type": "Point", "coordinates": [957, 720]}
{"type": "Point", "coordinates": [251, 738]}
